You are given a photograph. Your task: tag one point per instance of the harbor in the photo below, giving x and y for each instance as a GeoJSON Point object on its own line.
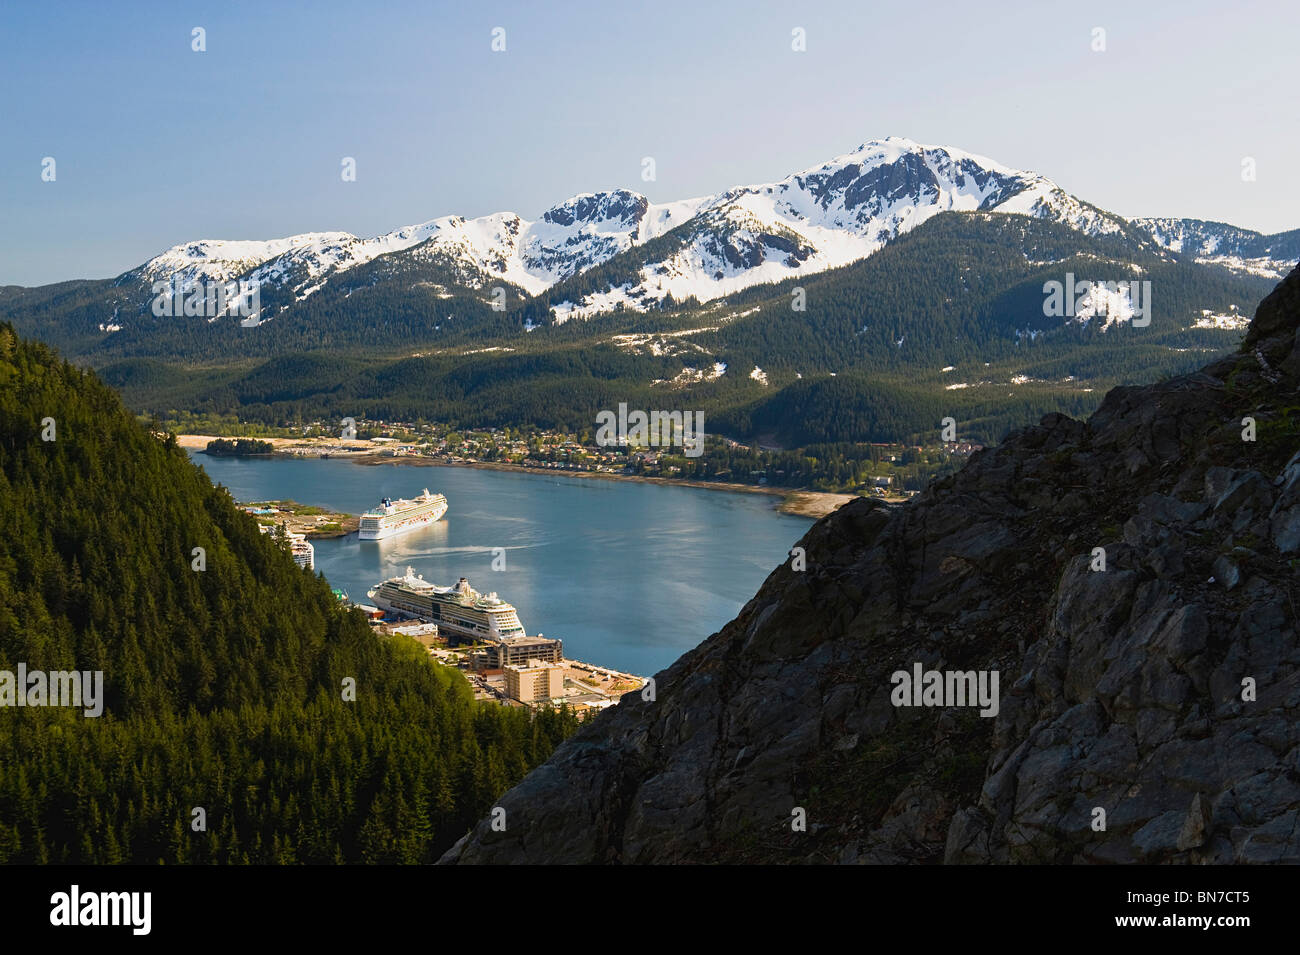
{"type": "Point", "coordinates": [584, 687]}
{"type": "Point", "coordinates": [481, 635]}
{"type": "Point", "coordinates": [630, 575]}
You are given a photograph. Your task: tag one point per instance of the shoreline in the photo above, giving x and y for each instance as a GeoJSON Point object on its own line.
{"type": "Point", "coordinates": [794, 502]}
{"type": "Point", "coordinates": [309, 525]}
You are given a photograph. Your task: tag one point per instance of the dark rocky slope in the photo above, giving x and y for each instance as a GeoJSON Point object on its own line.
{"type": "Point", "coordinates": [1120, 689]}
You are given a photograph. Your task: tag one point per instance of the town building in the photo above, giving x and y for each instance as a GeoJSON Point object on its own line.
{"type": "Point", "coordinates": [535, 682]}
{"type": "Point", "coordinates": [517, 651]}
{"type": "Point", "coordinates": [426, 634]}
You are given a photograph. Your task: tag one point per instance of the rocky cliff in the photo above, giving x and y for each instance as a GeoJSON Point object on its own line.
{"type": "Point", "coordinates": [1133, 581]}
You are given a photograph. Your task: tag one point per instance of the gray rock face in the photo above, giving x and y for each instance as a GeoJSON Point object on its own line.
{"type": "Point", "coordinates": [1131, 581]}
{"type": "Point", "coordinates": [1285, 516]}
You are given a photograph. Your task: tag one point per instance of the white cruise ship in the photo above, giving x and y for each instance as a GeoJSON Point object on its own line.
{"type": "Point", "coordinates": [460, 612]}
{"type": "Point", "coordinates": [393, 517]}
{"type": "Point", "coordinates": [304, 554]}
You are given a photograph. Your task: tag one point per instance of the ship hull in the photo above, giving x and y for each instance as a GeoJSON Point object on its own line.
{"type": "Point", "coordinates": [456, 619]}
{"type": "Point", "coordinates": [446, 626]}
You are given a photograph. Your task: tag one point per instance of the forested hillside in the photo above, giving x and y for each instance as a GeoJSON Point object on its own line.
{"type": "Point", "coordinates": [959, 288]}
{"type": "Point", "coordinates": [224, 687]}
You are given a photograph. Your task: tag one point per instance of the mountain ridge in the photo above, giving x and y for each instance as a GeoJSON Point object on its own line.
{"type": "Point", "coordinates": [822, 217]}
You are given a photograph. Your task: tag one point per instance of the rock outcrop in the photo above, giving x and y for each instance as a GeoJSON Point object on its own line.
{"type": "Point", "coordinates": [1132, 579]}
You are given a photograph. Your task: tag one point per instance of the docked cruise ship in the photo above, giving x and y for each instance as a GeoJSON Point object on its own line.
{"type": "Point", "coordinates": [304, 554]}
{"type": "Point", "coordinates": [461, 612]}
{"type": "Point", "coordinates": [393, 517]}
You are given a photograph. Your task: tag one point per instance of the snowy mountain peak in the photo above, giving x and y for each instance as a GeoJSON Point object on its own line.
{"type": "Point", "coordinates": [1217, 243]}
{"type": "Point", "coordinates": [835, 213]}
{"type": "Point", "coordinates": [620, 207]}
{"type": "Point", "coordinates": [224, 259]}
{"type": "Point", "coordinates": [822, 217]}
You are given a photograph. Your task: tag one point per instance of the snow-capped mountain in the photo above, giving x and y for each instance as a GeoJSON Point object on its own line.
{"type": "Point", "coordinates": [575, 235]}
{"type": "Point", "coordinates": [1217, 243]}
{"type": "Point", "coordinates": [823, 217]}
{"type": "Point", "coordinates": [503, 247]}
{"type": "Point", "coordinates": [833, 214]}
{"type": "Point", "coordinates": [225, 259]}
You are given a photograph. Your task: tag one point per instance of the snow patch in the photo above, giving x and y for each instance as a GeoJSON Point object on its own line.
{"type": "Point", "coordinates": [1232, 320]}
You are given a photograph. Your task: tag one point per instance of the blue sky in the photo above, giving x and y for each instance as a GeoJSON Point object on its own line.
{"type": "Point", "coordinates": [156, 144]}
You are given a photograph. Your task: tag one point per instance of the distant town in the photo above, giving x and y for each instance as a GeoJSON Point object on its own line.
{"type": "Point", "coordinates": [889, 471]}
